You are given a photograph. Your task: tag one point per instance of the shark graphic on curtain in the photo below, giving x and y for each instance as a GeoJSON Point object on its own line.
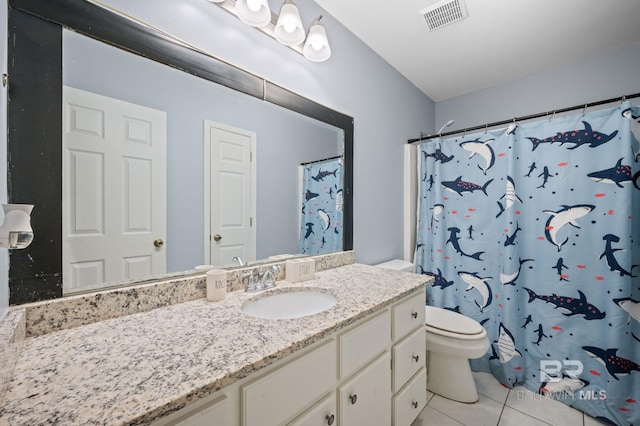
{"type": "Point", "coordinates": [321, 223]}
{"type": "Point", "coordinates": [535, 234]}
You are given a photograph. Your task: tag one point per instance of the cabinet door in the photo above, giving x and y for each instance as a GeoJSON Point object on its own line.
{"type": "Point", "coordinates": [279, 396]}
{"type": "Point", "coordinates": [411, 400]}
{"type": "Point", "coordinates": [322, 414]}
{"type": "Point", "coordinates": [409, 356]}
{"type": "Point", "coordinates": [363, 343]}
{"type": "Point", "coordinates": [213, 414]}
{"type": "Point", "coordinates": [366, 398]}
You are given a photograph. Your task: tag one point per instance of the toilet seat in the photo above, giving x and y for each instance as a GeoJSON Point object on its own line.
{"type": "Point", "coordinates": [451, 324]}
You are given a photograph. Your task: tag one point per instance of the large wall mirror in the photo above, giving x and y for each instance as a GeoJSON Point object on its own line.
{"type": "Point", "coordinates": [197, 149]}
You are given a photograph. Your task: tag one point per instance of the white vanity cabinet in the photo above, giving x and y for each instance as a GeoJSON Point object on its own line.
{"type": "Point", "coordinates": [369, 373]}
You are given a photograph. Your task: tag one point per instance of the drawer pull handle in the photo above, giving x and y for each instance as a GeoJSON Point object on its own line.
{"type": "Point", "coordinates": [414, 315]}
{"type": "Point", "coordinates": [416, 357]}
{"type": "Point", "coordinates": [330, 419]}
{"type": "Point", "coordinates": [353, 398]}
{"type": "Point", "coordinates": [415, 404]}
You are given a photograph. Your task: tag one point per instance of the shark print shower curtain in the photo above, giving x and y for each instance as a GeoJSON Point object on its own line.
{"type": "Point", "coordinates": [535, 234]}
{"type": "Point", "coordinates": [321, 211]}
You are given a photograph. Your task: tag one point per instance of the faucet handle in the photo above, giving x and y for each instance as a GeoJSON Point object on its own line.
{"type": "Point", "coordinates": [252, 284]}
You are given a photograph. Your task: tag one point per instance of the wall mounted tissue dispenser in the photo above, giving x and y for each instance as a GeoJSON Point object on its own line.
{"type": "Point", "coordinates": [16, 232]}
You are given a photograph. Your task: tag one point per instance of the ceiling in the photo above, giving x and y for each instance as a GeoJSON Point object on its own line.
{"type": "Point", "coordinates": [498, 41]}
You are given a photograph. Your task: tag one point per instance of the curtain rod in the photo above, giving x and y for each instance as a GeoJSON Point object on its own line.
{"type": "Point", "coordinates": [320, 161]}
{"type": "Point", "coordinates": [526, 117]}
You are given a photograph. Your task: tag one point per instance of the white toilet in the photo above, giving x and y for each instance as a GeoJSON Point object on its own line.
{"type": "Point", "coordinates": [452, 339]}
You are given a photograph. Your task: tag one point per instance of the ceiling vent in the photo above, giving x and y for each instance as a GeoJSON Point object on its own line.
{"type": "Point", "coordinates": [444, 13]}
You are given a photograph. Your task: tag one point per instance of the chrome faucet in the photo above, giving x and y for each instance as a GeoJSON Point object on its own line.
{"type": "Point", "coordinates": [268, 276]}
{"type": "Point", "coordinates": [239, 261]}
{"type": "Point", "coordinates": [261, 278]}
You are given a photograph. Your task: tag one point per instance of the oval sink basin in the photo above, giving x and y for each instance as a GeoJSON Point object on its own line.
{"type": "Point", "coordinates": [289, 305]}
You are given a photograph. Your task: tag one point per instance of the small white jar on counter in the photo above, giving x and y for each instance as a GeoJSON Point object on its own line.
{"type": "Point", "coordinates": [216, 285]}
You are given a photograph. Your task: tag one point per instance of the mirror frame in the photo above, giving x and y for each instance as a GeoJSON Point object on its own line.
{"type": "Point", "coordinates": [35, 120]}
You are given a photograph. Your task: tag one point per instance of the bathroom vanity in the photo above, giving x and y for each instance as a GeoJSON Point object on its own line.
{"type": "Point", "coordinates": [361, 361]}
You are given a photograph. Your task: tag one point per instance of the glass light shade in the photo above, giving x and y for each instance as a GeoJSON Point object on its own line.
{"type": "Point", "coordinates": [316, 47]}
{"type": "Point", "coordinates": [289, 29]}
{"type": "Point", "coordinates": [255, 13]}
{"type": "Point", "coordinates": [216, 1]}
{"type": "Point", "coordinates": [16, 232]}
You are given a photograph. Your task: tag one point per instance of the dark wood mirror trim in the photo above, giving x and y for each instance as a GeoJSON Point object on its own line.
{"type": "Point", "coordinates": [35, 120]}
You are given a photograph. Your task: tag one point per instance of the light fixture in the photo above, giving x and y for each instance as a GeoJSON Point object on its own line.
{"type": "Point", "coordinates": [16, 232]}
{"type": "Point", "coordinates": [316, 47]}
{"type": "Point", "coordinates": [289, 29]}
{"type": "Point", "coordinates": [286, 27]}
{"type": "Point", "coordinates": [255, 13]}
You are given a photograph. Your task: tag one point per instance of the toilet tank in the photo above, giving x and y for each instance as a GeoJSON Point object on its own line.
{"type": "Point", "coordinates": [397, 265]}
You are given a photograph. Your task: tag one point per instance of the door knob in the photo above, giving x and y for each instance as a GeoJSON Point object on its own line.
{"type": "Point", "coordinates": [217, 237]}
{"type": "Point", "coordinates": [158, 242]}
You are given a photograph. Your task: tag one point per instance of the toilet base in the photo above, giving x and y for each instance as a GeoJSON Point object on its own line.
{"type": "Point", "coordinates": [451, 377]}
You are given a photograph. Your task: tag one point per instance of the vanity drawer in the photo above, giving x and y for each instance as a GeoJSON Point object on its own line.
{"type": "Point", "coordinates": [411, 400]}
{"type": "Point", "coordinates": [363, 343]}
{"type": "Point", "coordinates": [408, 356]}
{"type": "Point", "coordinates": [278, 396]}
{"type": "Point", "coordinates": [408, 315]}
{"type": "Point", "coordinates": [323, 413]}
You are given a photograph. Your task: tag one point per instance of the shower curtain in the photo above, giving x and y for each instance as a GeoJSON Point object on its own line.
{"type": "Point", "coordinates": [321, 211]}
{"type": "Point", "coordinates": [535, 234]}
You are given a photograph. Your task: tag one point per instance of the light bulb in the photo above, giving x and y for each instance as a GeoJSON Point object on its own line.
{"type": "Point", "coordinates": [289, 25]}
{"type": "Point", "coordinates": [288, 30]}
{"type": "Point", "coordinates": [254, 5]}
{"type": "Point", "coordinates": [316, 48]}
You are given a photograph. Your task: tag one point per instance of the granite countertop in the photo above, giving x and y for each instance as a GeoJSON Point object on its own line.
{"type": "Point", "coordinates": [137, 368]}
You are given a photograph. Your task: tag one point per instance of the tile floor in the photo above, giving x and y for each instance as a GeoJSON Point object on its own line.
{"type": "Point", "coordinates": [500, 406]}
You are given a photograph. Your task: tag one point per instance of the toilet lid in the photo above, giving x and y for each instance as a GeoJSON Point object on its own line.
{"type": "Point", "coordinates": [450, 321]}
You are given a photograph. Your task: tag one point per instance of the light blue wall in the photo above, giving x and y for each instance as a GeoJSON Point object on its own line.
{"type": "Point", "coordinates": [604, 76]}
{"type": "Point", "coordinates": [4, 255]}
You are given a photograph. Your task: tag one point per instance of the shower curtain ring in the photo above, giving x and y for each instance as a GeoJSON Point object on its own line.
{"type": "Point", "coordinates": [584, 110]}
{"type": "Point", "coordinates": [552, 115]}
{"type": "Point", "coordinates": [622, 101]}
{"type": "Point", "coordinates": [486, 127]}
